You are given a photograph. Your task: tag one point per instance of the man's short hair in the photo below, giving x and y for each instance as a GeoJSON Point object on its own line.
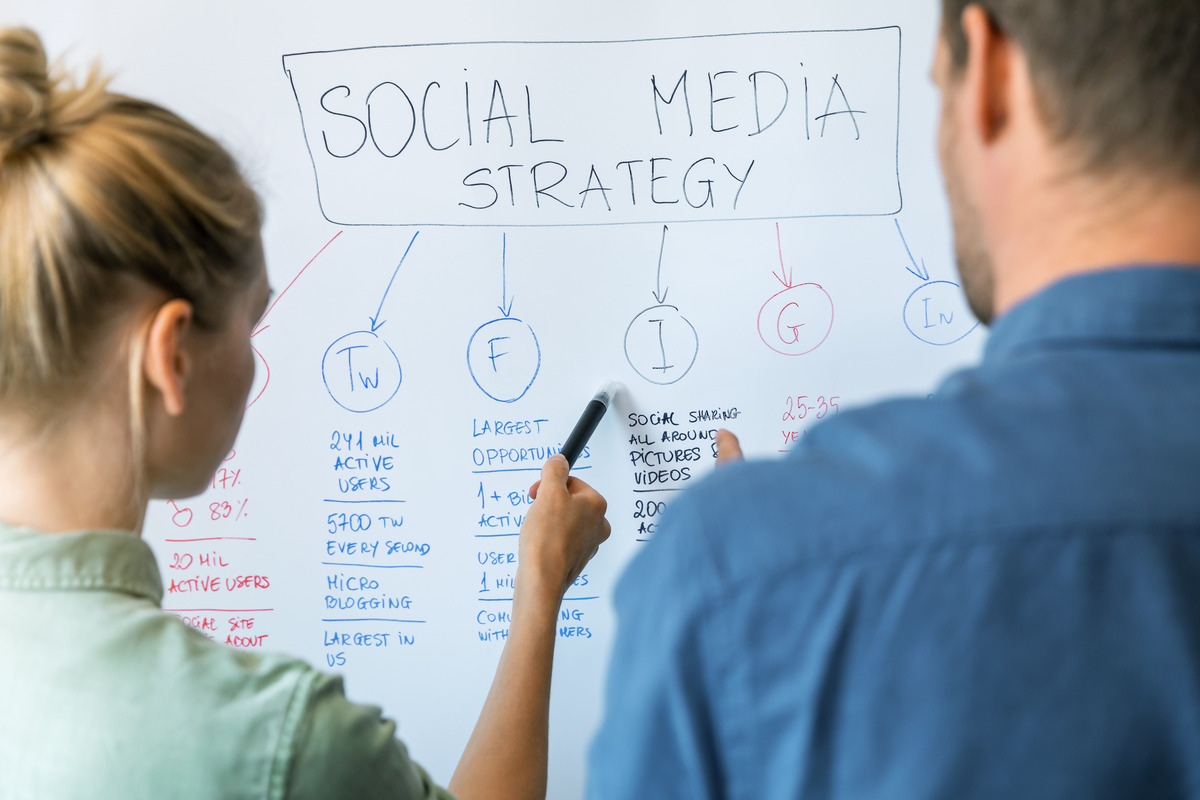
{"type": "Point", "coordinates": [1119, 79]}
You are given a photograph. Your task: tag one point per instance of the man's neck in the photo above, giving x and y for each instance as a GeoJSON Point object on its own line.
{"type": "Point", "coordinates": [1084, 224]}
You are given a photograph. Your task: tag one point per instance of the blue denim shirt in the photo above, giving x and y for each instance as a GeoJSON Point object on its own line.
{"type": "Point", "coordinates": [992, 593]}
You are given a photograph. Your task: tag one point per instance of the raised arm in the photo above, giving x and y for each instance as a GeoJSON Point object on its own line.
{"type": "Point", "coordinates": [505, 758]}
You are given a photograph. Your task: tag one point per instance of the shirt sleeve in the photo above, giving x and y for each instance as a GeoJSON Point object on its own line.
{"type": "Point", "coordinates": [341, 749]}
{"type": "Point", "coordinates": [658, 737]}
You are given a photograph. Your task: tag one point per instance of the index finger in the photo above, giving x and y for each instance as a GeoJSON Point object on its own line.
{"type": "Point", "coordinates": [728, 447]}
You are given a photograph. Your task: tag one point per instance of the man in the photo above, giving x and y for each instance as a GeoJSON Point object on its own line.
{"type": "Point", "coordinates": [995, 592]}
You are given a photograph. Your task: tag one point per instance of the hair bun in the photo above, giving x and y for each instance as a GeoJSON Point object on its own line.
{"type": "Point", "coordinates": [25, 88]}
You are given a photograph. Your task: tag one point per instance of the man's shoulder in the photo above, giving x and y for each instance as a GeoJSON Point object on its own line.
{"type": "Point", "coordinates": [850, 480]}
{"type": "Point", "coordinates": [996, 453]}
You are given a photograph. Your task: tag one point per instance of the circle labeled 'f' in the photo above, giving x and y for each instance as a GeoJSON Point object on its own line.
{"type": "Point", "coordinates": [504, 358]}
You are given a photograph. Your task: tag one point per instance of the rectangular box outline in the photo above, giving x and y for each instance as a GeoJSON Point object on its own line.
{"type": "Point", "coordinates": [317, 179]}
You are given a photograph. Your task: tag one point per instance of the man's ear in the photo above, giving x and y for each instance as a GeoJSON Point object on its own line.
{"type": "Point", "coordinates": [165, 363]}
{"type": "Point", "coordinates": [988, 75]}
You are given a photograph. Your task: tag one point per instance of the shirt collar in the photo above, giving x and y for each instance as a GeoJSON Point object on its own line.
{"type": "Point", "coordinates": [1148, 306]}
{"type": "Point", "coordinates": [92, 560]}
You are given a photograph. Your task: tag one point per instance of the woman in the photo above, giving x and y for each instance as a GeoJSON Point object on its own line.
{"type": "Point", "coordinates": [131, 275]}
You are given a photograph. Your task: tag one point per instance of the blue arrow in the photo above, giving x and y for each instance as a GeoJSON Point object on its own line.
{"type": "Point", "coordinates": [504, 278]}
{"type": "Point", "coordinates": [377, 325]}
{"type": "Point", "coordinates": [921, 272]}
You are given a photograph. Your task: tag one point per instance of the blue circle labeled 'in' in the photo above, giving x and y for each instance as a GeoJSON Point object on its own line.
{"type": "Point", "coordinates": [937, 314]}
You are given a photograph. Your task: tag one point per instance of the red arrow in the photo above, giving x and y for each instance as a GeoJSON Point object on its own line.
{"type": "Point", "coordinates": [784, 276]}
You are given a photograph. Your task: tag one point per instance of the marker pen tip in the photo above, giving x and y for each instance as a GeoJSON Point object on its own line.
{"type": "Point", "coordinates": [608, 391]}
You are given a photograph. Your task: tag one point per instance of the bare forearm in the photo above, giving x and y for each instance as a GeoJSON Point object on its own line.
{"type": "Point", "coordinates": [505, 758]}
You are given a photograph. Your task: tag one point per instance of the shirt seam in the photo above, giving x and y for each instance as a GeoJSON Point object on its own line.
{"type": "Point", "coordinates": [1055, 344]}
{"type": "Point", "coordinates": [96, 584]}
{"type": "Point", "coordinates": [714, 628]}
{"type": "Point", "coordinates": [281, 764]}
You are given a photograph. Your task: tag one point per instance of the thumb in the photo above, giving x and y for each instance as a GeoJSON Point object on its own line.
{"type": "Point", "coordinates": [555, 472]}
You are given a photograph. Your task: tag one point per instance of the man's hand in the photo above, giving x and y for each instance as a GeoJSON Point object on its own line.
{"type": "Point", "coordinates": [728, 447]}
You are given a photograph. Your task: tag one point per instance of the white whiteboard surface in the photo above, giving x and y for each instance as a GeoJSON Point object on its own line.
{"type": "Point", "coordinates": [451, 292]}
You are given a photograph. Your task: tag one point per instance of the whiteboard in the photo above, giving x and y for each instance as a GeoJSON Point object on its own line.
{"type": "Point", "coordinates": [476, 214]}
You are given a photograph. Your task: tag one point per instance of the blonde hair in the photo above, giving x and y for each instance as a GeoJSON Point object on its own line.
{"type": "Point", "coordinates": [101, 195]}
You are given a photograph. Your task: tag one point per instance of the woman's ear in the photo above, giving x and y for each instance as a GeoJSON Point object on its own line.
{"type": "Point", "coordinates": [165, 362]}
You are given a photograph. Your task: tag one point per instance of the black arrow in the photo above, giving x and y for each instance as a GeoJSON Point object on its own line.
{"type": "Point", "coordinates": [659, 294]}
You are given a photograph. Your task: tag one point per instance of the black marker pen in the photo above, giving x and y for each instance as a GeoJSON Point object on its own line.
{"type": "Point", "coordinates": [588, 421]}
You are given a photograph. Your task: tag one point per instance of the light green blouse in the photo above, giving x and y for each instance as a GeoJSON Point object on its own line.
{"type": "Point", "coordinates": [105, 695]}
